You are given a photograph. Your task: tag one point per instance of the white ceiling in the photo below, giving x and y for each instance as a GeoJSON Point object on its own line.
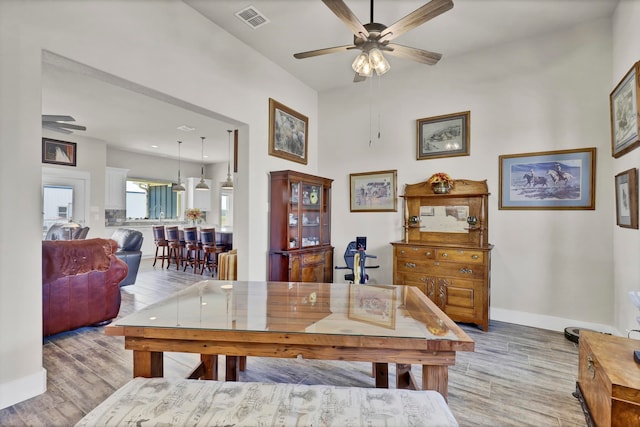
{"type": "Point", "coordinates": [132, 119]}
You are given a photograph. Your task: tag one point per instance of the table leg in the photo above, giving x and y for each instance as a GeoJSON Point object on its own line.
{"type": "Point", "coordinates": [381, 374]}
{"type": "Point", "coordinates": [404, 377]}
{"type": "Point", "coordinates": [148, 364]}
{"type": "Point", "coordinates": [435, 378]}
{"type": "Point", "coordinates": [210, 362]}
{"type": "Point", "coordinates": [232, 372]}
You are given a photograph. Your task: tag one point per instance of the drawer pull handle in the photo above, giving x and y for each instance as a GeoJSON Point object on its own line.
{"type": "Point", "coordinates": [444, 255]}
{"type": "Point", "coordinates": [402, 252]}
{"type": "Point", "coordinates": [591, 366]}
{"type": "Point", "coordinates": [428, 253]}
{"type": "Point", "coordinates": [410, 265]}
{"type": "Point", "coordinates": [466, 270]}
{"type": "Point", "coordinates": [474, 256]}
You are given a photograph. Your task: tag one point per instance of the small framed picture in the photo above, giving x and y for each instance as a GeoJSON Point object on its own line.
{"type": "Point", "coordinates": [288, 133]}
{"type": "Point", "coordinates": [373, 304]}
{"type": "Point", "coordinates": [58, 152]}
{"type": "Point", "coordinates": [443, 136]}
{"type": "Point", "coordinates": [563, 179]}
{"type": "Point", "coordinates": [373, 191]}
{"type": "Point", "coordinates": [623, 102]}
{"type": "Point", "coordinates": [627, 199]}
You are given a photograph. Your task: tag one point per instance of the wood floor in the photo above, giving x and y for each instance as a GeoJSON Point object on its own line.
{"type": "Point", "coordinates": [518, 376]}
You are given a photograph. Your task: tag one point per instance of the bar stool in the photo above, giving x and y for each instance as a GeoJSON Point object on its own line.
{"type": "Point", "coordinates": [160, 240]}
{"type": "Point", "coordinates": [210, 250]}
{"type": "Point", "coordinates": [176, 246]}
{"type": "Point", "coordinates": [193, 251]}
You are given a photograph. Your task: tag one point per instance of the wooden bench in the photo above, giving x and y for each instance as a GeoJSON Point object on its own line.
{"type": "Point", "coordinates": [162, 401]}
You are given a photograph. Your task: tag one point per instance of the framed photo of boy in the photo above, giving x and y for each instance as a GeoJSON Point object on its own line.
{"type": "Point", "coordinates": [627, 199]}
{"type": "Point", "coordinates": [288, 133]}
{"type": "Point", "coordinates": [58, 152]}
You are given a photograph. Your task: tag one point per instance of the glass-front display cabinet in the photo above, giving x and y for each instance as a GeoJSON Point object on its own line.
{"type": "Point", "coordinates": [300, 228]}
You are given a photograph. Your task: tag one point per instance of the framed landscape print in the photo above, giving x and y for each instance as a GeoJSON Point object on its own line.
{"type": "Point", "coordinates": [623, 103]}
{"type": "Point", "coordinates": [548, 180]}
{"type": "Point", "coordinates": [373, 191]}
{"type": "Point", "coordinates": [288, 133]}
{"type": "Point", "coordinates": [58, 152]}
{"type": "Point", "coordinates": [627, 198]}
{"type": "Point", "coordinates": [443, 136]}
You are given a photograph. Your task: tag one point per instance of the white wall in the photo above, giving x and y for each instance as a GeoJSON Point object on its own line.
{"type": "Point", "coordinates": [137, 41]}
{"type": "Point", "coordinates": [626, 249]}
{"type": "Point", "coordinates": [549, 268]}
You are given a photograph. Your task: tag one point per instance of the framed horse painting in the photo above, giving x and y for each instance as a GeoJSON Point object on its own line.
{"type": "Point", "coordinates": [562, 179]}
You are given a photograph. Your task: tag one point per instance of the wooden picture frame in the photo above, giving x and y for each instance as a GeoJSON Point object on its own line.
{"type": "Point", "coordinates": [288, 133]}
{"type": "Point", "coordinates": [58, 152]}
{"type": "Point", "coordinates": [373, 191]}
{"type": "Point", "coordinates": [624, 108]}
{"type": "Point", "coordinates": [373, 304]}
{"type": "Point", "coordinates": [563, 179]}
{"type": "Point", "coordinates": [627, 198]}
{"type": "Point", "coordinates": [443, 136]}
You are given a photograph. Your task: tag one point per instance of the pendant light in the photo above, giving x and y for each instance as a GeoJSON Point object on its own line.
{"type": "Point", "coordinates": [202, 185]}
{"type": "Point", "coordinates": [228, 184]}
{"type": "Point", "coordinates": [178, 186]}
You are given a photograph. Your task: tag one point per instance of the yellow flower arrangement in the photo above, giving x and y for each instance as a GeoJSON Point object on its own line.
{"type": "Point", "coordinates": [193, 214]}
{"type": "Point", "coordinates": [439, 177]}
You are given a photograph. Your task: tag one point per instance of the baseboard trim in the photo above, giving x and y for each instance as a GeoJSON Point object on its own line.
{"type": "Point", "coordinates": [24, 388]}
{"type": "Point", "coordinates": [547, 322]}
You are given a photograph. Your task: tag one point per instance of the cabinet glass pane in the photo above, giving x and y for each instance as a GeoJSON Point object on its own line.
{"type": "Point", "coordinates": [294, 214]}
{"type": "Point", "coordinates": [311, 195]}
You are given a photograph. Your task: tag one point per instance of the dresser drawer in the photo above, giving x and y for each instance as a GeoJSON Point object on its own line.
{"type": "Point", "coordinates": [313, 258]}
{"type": "Point", "coordinates": [415, 252]}
{"type": "Point", "coordinates": [436, 268]}
{"type": "Point", "coordinates": [460, 255]}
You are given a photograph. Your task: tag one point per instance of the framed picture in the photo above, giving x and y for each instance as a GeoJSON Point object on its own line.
{"type": "Point", "coordinates": [623, 102]}
{"type": "Point", "coordinates": [548, 180]}
{"type": "Point", "coordinates": [288, 133]}
{"type": "Point", "coordinates": [627, 198]}
{"type": "Point", "coordinates": [58, 152]}
{"type": "Point", "coordinates": [373, 304]}
{"type": "Point", "coordinates": [443, 136]}
{"type": "Point", "coordinates": [374, 191]}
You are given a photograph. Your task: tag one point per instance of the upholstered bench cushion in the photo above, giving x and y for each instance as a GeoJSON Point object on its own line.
{"type": "Point", "coordinates": [177, 402]}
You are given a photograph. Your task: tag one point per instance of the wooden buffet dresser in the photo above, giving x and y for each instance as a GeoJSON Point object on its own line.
{"type": "Point", "coordinates": [445, 251]}
{"type": "Point", "coordinates": [608, 380]}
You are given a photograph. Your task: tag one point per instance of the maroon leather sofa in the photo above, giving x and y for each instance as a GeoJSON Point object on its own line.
{"type": "Point", "coordinates": [80, 283]}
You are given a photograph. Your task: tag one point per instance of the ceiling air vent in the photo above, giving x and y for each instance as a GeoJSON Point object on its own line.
{"type": "Point", "coordinates": [252, 17]}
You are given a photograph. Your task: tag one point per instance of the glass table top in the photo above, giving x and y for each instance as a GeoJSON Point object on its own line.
{"type": "Point", "coordinates": [310, 308]}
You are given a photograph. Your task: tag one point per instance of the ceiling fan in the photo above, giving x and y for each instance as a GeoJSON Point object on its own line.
{"type": "Point", "coordinates": [58, 123]}
{"type": "Point", "coordinates": [374, 38]}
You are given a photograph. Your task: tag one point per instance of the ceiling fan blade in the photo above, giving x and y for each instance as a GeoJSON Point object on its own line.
{"type": "Point", "coordinates": [55, 118]}
{"type": "Point", "coordinates": [67, 126]}
{"type": "Point", "coordinates": [345, 14]}
{"type": "Point", "coordinates": [415, 18]}
{"type": "Point", "coordinates": [359, 78]}
{"type": "Point", "coordinates": [423, 56]}
{"type": "Point", "coordinates": [318, 52]}
{"type": "Point", "coordinates": [55, 128]}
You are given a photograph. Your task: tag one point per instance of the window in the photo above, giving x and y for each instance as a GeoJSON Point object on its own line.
{"type": "Point", "coordinates": [152, 200]}
{"type": "Point", "coordinates": [226, 209]}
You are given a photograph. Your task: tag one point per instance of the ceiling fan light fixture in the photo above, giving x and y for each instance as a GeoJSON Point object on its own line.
{"type": "Point", "coordinates": [359, 62]}
{"type": "Point", "coordinates": [378, 61]}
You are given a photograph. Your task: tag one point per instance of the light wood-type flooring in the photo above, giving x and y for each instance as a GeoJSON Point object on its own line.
{"type": "Point", "coordinates": [517, 376]}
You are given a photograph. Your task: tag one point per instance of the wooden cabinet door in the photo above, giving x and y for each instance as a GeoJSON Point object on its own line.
{"type": "Point", "coordinates": [461, 299]}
